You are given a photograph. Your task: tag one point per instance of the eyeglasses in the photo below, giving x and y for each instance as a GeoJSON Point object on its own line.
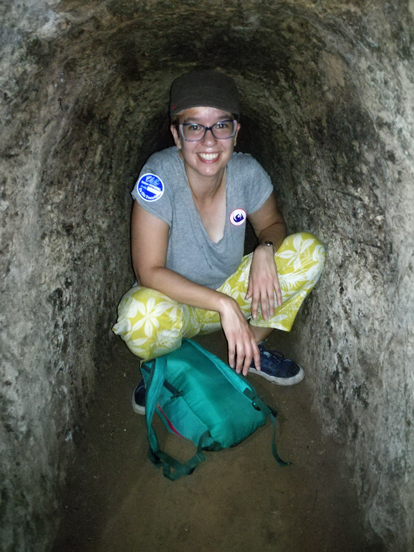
{"type": "Point", "coordinates": [194, 132]}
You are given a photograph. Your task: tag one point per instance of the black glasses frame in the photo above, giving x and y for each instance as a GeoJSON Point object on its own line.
{"type": "Point", "coordinates": [210, 128]}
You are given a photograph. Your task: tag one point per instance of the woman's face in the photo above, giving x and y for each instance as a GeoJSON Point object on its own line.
{"type": "Point", "coordinates": [209, 156]}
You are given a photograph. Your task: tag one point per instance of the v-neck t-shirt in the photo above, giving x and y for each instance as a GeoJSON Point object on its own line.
{"type": "Point", "coordinates": [162, 189]}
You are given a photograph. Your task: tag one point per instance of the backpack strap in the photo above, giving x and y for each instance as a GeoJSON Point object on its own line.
{"type": "Point", "coordinates": [153, 387]}
{"type": "Point", "coordinates": [172, 468]}
{"type": "Point", "coordinates": [271, 414]}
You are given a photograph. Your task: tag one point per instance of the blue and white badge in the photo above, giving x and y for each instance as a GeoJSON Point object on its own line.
{"type": "Point", "coordinates": [150, 187]}
{"type": "Point", "coordinates": [238, 217]}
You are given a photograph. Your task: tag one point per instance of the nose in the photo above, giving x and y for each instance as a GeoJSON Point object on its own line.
{"type": "Point", "coordinates": [209, 137]}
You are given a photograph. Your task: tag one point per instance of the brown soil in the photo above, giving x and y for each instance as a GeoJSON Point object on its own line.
{"type": "Point", "coordinates": [237, 500]}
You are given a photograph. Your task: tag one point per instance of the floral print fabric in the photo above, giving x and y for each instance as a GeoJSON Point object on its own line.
{"type": "Point", "coordinates": [152, 324]}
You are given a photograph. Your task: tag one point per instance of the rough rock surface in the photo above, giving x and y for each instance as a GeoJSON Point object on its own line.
{"type": "Point", "coordinates": [327, 93]}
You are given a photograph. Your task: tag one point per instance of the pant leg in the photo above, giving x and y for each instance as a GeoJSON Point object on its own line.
{"type": "Point", "coordinates": [149, 322]}
{"type": "Point", "coordinates": [300, 261]}
{"type": "Point", "coordinates": [152, 324]}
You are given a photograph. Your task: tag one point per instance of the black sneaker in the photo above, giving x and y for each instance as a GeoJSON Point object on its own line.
{"type": "Point", "coordinates": [277, 369]}
{"type": "Point", "coordinates": [138, 398]}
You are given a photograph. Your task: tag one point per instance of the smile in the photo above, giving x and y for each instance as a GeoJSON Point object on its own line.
{"type": "Point", "coordinates": [209, 156]}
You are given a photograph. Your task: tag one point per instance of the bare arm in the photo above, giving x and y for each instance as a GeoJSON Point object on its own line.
{"type": "Point", "coordinates": [268, 225]}
{"type": "Point", "coordinates": [149, 244]}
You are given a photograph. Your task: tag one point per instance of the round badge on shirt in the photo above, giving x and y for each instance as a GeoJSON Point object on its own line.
{"type": "Point", "coordinates": [238, 217]}
{"type": "Point", "coordinates": [150, 187]}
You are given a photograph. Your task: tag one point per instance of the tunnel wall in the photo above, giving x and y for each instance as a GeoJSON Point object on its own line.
{"type": "Point", "coordinates": [342, 159]}
{"type": "Point", "coordinates": [327, 100]}
{"type": "Point", "coordinates": [65, 263]}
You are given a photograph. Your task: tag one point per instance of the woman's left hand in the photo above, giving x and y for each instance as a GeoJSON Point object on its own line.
{"type": "Point", "coordinates": [263, 282]}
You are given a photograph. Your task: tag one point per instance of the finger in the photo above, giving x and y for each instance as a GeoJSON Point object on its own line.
{"type": "Point", "coordinates": [255, 305]}
{"type": "Point", "coordinates": [265, 313]}
{"type": "Point", "coordinates": [249, 292]}
{"type": "Point", "coordinates": [239, 358]}
{"type": "Point", "coordinates": [256, 355]}
{"type": "Point", "coordinates": [271, 301]}
{"type": "Point", "coordinates": [277, 289]}
{"type": "Point", "coordinates": [247, 360]}
{"type": "Point", "coordinates": [231, 353]}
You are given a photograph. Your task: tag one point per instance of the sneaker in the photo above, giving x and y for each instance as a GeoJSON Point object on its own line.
{"type": "Point", "coordinates": [138, 398]}
{"type": "Point", "coordinates": [277, 369]}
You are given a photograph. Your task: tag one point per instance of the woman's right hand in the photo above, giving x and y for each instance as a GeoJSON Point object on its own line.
{"type": "Point", "coordinates": [240, 339]}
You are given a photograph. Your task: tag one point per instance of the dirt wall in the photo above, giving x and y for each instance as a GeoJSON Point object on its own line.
{"type": "Point", "coordinates": [327, 101]}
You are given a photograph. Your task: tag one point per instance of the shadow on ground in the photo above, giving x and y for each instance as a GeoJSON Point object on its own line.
{"type": "Point", "coordinates": [237, 500]}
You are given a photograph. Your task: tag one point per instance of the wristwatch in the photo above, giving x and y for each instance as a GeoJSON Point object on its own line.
{"type": "Point", "coordinates": [268, 243]}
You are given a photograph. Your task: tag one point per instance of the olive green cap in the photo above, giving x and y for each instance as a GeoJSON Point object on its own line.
{"type": "Point", "coordinates": [204, 88]}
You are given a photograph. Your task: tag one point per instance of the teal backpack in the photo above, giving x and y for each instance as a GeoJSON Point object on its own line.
{"type": "Point", "coordinates": [199, 397]}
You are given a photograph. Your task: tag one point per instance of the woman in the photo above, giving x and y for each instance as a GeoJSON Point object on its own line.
{"type": "Point", "coordinates": [188, 227]}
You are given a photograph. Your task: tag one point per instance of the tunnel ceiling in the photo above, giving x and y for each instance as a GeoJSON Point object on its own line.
{"type": "Point", "coordinates": [327, 108]}
{"type": "Point", "coordinates": [301, 70]}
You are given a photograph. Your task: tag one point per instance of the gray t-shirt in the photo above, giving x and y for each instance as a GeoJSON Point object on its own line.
{"type": "Point", "coordinates": [162, 190]}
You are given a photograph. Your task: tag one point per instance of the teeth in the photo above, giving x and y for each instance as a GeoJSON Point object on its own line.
{"type": "Point", "coordinates": [208, 156]}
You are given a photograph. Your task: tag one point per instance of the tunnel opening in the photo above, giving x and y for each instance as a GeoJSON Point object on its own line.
{"type": "Point", "coordinates": [326, 109]}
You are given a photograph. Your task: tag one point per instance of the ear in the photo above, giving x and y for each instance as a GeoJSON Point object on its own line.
{"type": "Point", "coordinates": [237, 132]}
{"type": "Point", "coordinates": [177, 138]}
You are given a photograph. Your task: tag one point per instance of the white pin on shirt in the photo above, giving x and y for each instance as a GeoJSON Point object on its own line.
{"type": "Point", "coordinates": [238, 217]}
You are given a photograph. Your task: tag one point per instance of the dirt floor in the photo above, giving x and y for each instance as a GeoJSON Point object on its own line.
{"type": "Point", "coordinates": [237, 500]}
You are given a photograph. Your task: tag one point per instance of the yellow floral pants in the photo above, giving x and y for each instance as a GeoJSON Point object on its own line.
{"type": "Point", "coordinates": [152, 324]}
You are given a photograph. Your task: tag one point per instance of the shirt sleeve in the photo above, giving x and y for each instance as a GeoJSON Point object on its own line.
{"type": "Point", "coordinates": [153, 190]}
{"type": "Point", "coordinates": [258, 185]}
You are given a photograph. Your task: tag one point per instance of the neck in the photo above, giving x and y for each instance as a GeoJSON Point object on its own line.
{"type": "Point", "coordinates": [205, 187]}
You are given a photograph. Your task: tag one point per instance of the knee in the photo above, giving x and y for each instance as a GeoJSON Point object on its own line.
{"type": "Point", "coordinates": [304, 237]}
{"type": "Point", "coordinates": [313, 255]}
{"type": "Point", "coordinates": [301, 242]}
{"type": "Point", "coordinates": [148, 319]}
{"type": "Point", "coordinates": [306, 249]}
{"type": "Point", "coordinates": [314, 245]}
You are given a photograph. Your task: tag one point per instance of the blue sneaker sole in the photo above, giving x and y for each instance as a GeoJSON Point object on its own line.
{"type": "Point", "coordinates": [280, 381]}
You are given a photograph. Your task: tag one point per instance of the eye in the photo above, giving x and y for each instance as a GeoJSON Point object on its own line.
{"type": "Point", "coordinates": [193, 127]}
{"type": "Point", "coordinates": [222, 125]}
